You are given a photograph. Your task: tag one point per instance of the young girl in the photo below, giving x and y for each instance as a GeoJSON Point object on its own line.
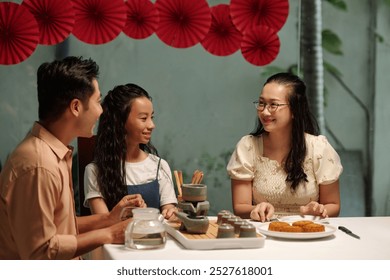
{"type": "Point", "coordinates": [282, 167]}
{"type": "Point", "coordinates": [125, 161]}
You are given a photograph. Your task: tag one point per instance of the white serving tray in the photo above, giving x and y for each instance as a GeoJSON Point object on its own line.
{"type": "Point", "coordinates": [215, 243]}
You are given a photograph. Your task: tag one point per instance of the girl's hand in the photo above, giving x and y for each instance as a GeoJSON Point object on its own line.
{"type": "Point", "coordinates": [262, 212]}
{"type": "Point", "coordinates": [134, 200]}
{"type": "Point", "coordinates": [169, 213]}
{"type": "Point", "coordinates": [314, 208]}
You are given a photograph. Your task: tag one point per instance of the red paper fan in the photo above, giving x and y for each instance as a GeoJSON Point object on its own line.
{"type": "Point", "coordinates": [97, 21]}
{"type": "Point", "coordinates": [250, 13]}
{"type": "Point", "coordinates": [223, 37]}
{"type": "Point", "coordinates": [182, 23]}
{"type": "Point", "coordinates": [55, 19]}
{"type": "Point", "coordinates": [142, 19]}
{"type": "Point", "coordinates": [260, 45]}
{"type": "Point", "coordinates": [19, 33]}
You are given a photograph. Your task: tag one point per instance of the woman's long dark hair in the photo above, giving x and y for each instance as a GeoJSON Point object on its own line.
{"type": "Point", "coordinates": [111, 148]}
{"type": "Point", "coordinates": [302, 122]}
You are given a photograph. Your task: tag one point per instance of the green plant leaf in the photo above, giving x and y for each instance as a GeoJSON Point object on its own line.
{"type": "Point", "coordinates": [326, 95]}
{"type": "Point", "coordinates": [332, 69]}
{"type": "Point", "coordinates": [293, 69]}
{"type": "Point", "coordinates": [339, 4]}
{"type": "Point", "coordinates": [331, 42]}
{"type": "Point", "coordinates": [387, 2]}
{"type": "Point", "coordinates": [379, 37]}
{"type": "Point", "coordinates": [271, 70]}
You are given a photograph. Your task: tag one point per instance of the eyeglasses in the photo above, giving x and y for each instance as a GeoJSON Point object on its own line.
{"type": "Point", "coordinates": [272, 107]}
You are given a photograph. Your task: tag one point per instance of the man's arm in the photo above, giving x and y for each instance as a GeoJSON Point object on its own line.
{"type": "Point", "coordinates": [90, 240]}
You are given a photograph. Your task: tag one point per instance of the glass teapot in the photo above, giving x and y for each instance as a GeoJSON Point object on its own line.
{"type": "Point", "coordinates": [146, 231]}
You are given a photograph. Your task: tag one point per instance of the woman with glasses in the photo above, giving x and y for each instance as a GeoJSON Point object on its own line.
{"type": "Point", "coordinates": [284, 167]}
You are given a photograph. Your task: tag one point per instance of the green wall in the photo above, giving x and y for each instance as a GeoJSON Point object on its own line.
{"type": "Point", "coordinates": [203, 103]}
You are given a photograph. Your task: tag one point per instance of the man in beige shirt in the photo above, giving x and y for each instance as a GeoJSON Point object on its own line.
{"type": "Point", "coordinates": [37, 210]}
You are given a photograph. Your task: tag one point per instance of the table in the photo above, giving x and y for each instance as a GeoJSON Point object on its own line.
{"type": "Point", "coordinates": [374, 244]}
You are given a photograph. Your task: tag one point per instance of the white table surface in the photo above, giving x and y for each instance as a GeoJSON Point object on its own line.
{"type": "Point", "coordinates": [374, 244]}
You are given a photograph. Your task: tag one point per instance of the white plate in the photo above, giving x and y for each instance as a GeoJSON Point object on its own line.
{"type": "Point", "coordinates": [263, 228]}
{"type": "Point", "coordinates": [316, 219]}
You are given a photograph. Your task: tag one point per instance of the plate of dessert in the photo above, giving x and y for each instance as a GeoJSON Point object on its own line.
{"type": "Point", "coordinates": [297, 227]}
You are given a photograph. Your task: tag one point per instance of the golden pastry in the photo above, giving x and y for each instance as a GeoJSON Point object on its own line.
{"type": "Point", "coordinates": [275, 226]}
{"type": "Point", "coordinates": [301, 223]}
{"type": "Point", "coordinates": [313, 227]}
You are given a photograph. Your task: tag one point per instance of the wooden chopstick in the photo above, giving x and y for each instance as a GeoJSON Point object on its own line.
{"type": "Point", "coordinates": [197, 177]}
{"type": "Point", "coordinates": [181, 182]}
{"type": "Point", "coordinates": [178, 181]}
{"type": "Point", "coordinates": [200, 177]}
{"type": "Point", "coordinates": [194, 177]}
{"type": "Point", "coordinates": [180, 177]}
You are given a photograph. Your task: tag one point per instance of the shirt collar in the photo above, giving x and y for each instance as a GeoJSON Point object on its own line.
{"type": "Point", "coordinates": [53, 142]}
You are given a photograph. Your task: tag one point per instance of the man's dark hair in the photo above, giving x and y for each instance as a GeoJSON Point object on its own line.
{"type": "Point", "coordinates": [61, 81]}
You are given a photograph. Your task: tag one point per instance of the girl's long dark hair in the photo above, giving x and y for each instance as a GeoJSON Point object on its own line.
{"type": "Point", "coordinates": [303, 121]}
{"type": "Point", "coordinates": [110, 149]}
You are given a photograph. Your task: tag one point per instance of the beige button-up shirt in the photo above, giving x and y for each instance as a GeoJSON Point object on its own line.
{"type": "Point", "coordinates": [37, 214]}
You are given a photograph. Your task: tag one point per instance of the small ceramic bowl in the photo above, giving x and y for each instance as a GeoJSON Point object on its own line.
{"type": "Point", "coordinates": [237, 225]}
{"type": "Point", "coordinates": [220, 214]}
{"type": "Point", "coordinates": [225, 231]}
{"type": "Point", "coordinates": [233, 219]}
{"type": "Point", "coordinates": [225, 218]}
{"type": "Point", "coordinates": [248, 230]}
{"type": "Point", "coordinates": [194, 192]}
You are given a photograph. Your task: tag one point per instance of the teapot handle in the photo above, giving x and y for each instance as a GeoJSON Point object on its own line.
{"type": "Point", "coordinates": [126, 212]}
{"type": "Point", "coordinates": [128, 234]}
{"type": "Point", "coordinates": [161, 218]}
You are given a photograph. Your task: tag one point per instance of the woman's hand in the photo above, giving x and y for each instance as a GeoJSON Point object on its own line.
{"type": "Point", "coordinates": [314, 208]}
{"type": "Point", "coordinates": [262, 212]}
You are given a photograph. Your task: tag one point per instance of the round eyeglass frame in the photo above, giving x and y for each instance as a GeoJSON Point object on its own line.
{"type": "Point", "coordinates": [271, 107]}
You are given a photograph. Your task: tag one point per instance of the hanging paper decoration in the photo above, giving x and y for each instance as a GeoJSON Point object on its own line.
{"type": "Point", "coordinates": [55, 19]}
{"type": "Point", "coordinates": [19, 33]}
{"type": "Point", "coordinates": [249, 25]}
{"type": "Point", "coordinates": [182, 23]}
{"type": "Point", "coordinates": [260, 45]}
{"type": "Point", "coordinates": [97, 21]}
{"type": "Point", "coordinates": [223, 37]}
{"type": "Point", "coordinates": [250, 13]}
{"type": "Point", "coordinates": [142, 19]}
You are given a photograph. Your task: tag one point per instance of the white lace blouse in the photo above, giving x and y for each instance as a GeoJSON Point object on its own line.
{"type": "Point", "coordinates": [322, 166]}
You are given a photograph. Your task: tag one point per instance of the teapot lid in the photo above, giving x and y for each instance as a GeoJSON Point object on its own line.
{"type": "Point", "coordinates": [146, 213]}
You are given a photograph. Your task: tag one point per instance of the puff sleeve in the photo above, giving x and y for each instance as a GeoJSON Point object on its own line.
{"type": "Point", "coordinates": [91, 187]}
{"type": "Point", "coordinates": [241, 163]}
{"type": "Point", "coordinates": [326, 162]}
